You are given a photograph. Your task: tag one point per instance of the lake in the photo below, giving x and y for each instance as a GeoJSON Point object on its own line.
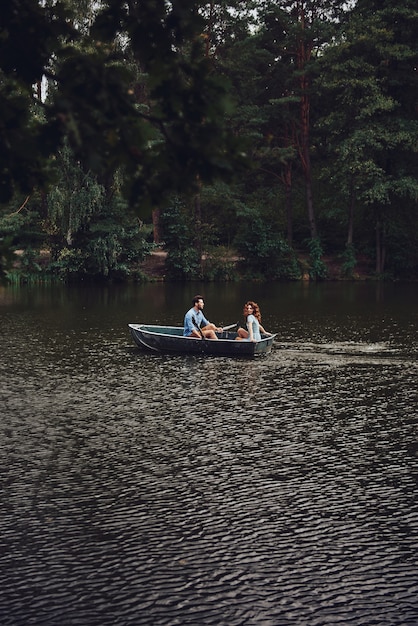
{"type": "Point", "coordinates": [149, 489]}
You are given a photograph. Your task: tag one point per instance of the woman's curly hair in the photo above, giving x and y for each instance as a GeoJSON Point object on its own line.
{"type": "Point", "coordinates": [256, 310]}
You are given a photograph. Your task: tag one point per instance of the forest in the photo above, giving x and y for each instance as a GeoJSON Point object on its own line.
{"type": "Point", "coordinates": [256, 140]}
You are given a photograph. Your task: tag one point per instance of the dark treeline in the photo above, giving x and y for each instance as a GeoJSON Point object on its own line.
{"type": "Point", "coordinates": [280, 133]}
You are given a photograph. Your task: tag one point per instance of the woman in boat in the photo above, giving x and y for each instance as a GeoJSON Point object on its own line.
{"type": "Point", "coordinates": [252, 316]}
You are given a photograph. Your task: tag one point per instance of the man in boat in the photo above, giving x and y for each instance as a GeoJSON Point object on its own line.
{"type": "Point", "coordinates": [195, 323]}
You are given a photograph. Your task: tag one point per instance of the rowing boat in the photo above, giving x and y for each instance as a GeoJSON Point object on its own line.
{"type": "Point", "coordinates": [171, 339]}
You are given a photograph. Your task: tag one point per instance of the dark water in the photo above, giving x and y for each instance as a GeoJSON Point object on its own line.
{"type": "Point", "coordinates": [148, 489]}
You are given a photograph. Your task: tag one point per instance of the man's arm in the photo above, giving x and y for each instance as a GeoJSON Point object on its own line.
{"type": "Point", "coordinates": [210, 326]}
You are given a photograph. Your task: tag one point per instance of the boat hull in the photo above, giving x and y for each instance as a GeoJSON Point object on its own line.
{"type": "Point", "coordinates": [171, 339]}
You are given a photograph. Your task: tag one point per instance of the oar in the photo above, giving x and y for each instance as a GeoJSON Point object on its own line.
{"type": "Point", "coordinates": [224, 328]}
{"type": "Point", "coordinates": [230, 326]}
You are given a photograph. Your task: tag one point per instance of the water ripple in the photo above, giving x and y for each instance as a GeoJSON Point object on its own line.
{"type": "Point", "coordinates": [149, 489]}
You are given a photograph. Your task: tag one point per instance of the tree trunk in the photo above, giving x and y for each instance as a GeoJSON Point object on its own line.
{"type": "Point", "coordinates": [198, 228]}
{"type": "Point", "coordinates": [287, 179]}
{"type": "Point", "coordinates": [309, 196]}
{"type": "Point", "coordinates": [156, 225]}
{"type": "Point", "coordinates": [380, 248]}
{"type": "Point", "coordinates": [304, 52]}
{"type": "Point", "coordinates": [351, 207]}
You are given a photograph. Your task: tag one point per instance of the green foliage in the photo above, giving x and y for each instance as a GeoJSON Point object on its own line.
{"type": "Point", "coordinates": [177, 133]}
{"type": "Point", "coordinates": [180, 233]}
{"type": "Point", "coordinates": [94, 233]}
{"type": "Point", "coordinates": [69, 263]}
{"type": "Point", "coordinates": [220, 204]}
{"type": "Point", "coordinates": [10, 225]}
{"type": "Point", "coordinates": [106, 254]}
{"type": "Point", "coordinates": [29, 262]}
{"type": "Point", "coordinates": [317, 268]}
{"type": "Point", "coordinates": [25, 268]}
{"type": "Point", "coordinates": [31, 33]}
{"type": "Point", "coordinates": [182, 262]}
{"type": "Point", "coordinates": [367, 83]}
{"type": "Point", "coordinates": [218, 265]}
{"type": "Point", "coordinates": [265, 254]}
{"type": "Point", "coordinates": [401, 227]}
{"type": "Point", "coordinates": [88, 231]}
{"type": "Point", "coordinates": [175, 226]}
{"type": "Point", "coordinates": [20, 242]}
{"type": "Point", "coordinates": [114, 250]}
{"type": "Point", "coordinates": [6, 256]}
{"type": "Point", "coordinates": [143, 99]}
{"type": "Point", "coordinates": [349, 261]}
{"type": "Point", "coordinates": [75, 198]}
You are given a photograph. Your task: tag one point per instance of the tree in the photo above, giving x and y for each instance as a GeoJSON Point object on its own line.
{"type": "Point", "coordinates": [278, 152]}
{"type": "Point", "coordinates": [372, 127]}
{"type": "Point", "coordinates": [244, 56]}
{"type": "Point", "coordinates": [77, 197]}
{"type": "Point", "coordinates": [299, 30]}
{"type": "Point", "coordinates": [92, 100]}
{"type": "Point", "coordinates": [88, 231]}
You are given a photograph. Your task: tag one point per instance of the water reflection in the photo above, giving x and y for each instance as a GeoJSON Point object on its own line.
{"type": "Point", "coordinates": [152, 489]}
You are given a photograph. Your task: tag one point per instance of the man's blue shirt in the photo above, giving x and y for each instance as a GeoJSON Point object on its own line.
{"type": "Point", "coordinates": [188, 321]}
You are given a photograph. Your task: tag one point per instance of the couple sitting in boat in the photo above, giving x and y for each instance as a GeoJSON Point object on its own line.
{"type": "Point", "coordinates": [196, 325]}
